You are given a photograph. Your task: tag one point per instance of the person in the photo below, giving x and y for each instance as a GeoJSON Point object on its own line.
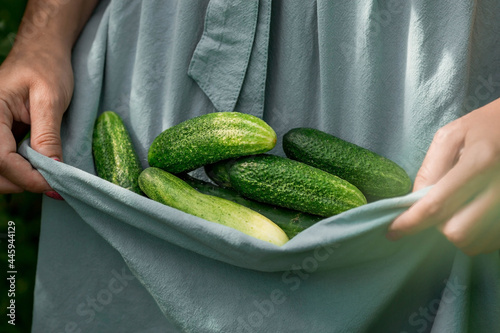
{"type": "Point", "coordinates": [461, 165]}
{"type": "Point", "coordinates": [37, 87]}
{"type": "Point", "coordinates": [462, 161]}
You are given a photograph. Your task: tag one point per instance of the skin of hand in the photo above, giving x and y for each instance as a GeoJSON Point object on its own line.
{"type": "Point", "coordinates": [463, 164]}
{"type": "Point", "coordinates": [36, 88]}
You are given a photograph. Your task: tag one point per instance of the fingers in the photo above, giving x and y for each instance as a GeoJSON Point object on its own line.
{"type": "Point", "coordinates": [6, 186]}
{"type": "Point", "coordinates": [36, 90]}
{"type": "Point", "coordinates": [442, 155]}
{"type": "Point", "coordinates": [466, 179]}
{"type": "Point", "coordinates": [16, 172]}
{"type": "Point", "coordinates": [46, 116]}
{"type": "Point", "coordinates": [475, 228]}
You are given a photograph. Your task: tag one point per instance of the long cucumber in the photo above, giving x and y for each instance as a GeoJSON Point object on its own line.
{"type": "Point", "coordinates": [287, 183]}
{"type": "Point", "coordinates": [376, 176]}
{"type": "Point", "coordinates": [170, 190]}
{"type": "Point", "coordinates": [291, 221]}
{"type": "Point", "coordinates": [210, 138]}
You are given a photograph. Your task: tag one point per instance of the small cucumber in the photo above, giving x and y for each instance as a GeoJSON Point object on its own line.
{"type": "Point", "coordinates": [287, 183]}
{"type": "Point", "coordinates": [218, 174]}
{"type": "Point", "coordinates": [115, 158]}
{"type": "Point", "coordinates": [376, 176]}
{"type": "Point", "coordinates": [291, 221]}
{"type": "Point", "coordinates": [210, 138]}
{"type": "Point", "coordinates": [170, 190]}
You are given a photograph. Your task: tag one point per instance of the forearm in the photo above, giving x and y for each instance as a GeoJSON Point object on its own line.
{"type": "Point", "coordinates": [54, 24]}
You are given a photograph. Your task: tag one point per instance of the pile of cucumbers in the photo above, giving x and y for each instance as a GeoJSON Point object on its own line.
{"type": "Point", "coordinates": [269, 197]}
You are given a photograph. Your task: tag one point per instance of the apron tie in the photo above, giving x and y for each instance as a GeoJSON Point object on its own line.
{"type": "Point", "coordinates": [230, 61]}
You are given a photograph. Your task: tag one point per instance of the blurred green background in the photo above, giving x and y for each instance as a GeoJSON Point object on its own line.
{"type": "Point", "coordinates": [23, 209]}
{"type": "Point", "coordinates": [11, 12]}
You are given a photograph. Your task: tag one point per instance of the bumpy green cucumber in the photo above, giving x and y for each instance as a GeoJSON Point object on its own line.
{"type": "Point", "coordinates": [291, 221]}
{"type": "Point", "coordinates": [376, 176]}
{"type": "Point", "coordinates": [287, 183]}
{"type": "Point", "coordinates": [170, 190]}
{"type": "Point", "coordinates": [210, 138]}
{"type": "Point", "coordinates": [114, 155]}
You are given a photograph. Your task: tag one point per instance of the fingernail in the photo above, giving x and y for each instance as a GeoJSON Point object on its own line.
{"type": "Point", "coordinates": [393, 235]}
{"type": "Point", "coordinates": [54, 195]}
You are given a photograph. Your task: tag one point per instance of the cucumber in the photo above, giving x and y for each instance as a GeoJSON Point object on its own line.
{"type": "Point", "coordinates": [114, 156]}
{"type": "Point", "coordinates": [290, 221]}
{"type": "Point", "coordinates": [210, 138]}
{"type": "Point", "coordinates": [376, 176]}
{"type": "Point", "coordinates": [170, 190]}
{"type": "Point", "coordinates": [218, 174]}
{"type": "Point", "coordinates": [287, 183]}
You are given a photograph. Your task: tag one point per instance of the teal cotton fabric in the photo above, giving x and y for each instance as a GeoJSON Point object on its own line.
{"type": "Point", "coordinates": [382, 74]}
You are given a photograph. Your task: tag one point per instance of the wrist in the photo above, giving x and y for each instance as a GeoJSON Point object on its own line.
{"type": "Point", "coordinates": [37, 34]}
{"type": "Point", "coordinates": [31, 63]}
{"type": "Point", "coordinates": [41, 42]}
{"type": "Point", "coordinates": [53, 24]}
{"type": "Point", "coordinates": [41, 45]}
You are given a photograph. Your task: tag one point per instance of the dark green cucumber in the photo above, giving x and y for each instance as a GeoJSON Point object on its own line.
{"type": "Point", "coordinates": [287, 183]}
{"type": "Point", "coordinates": [218, 174]}
{"type": "Point", "coordinates": [291, 221]}
{"type": "Point", "coordinates": [376, 176]}
{"type": "Point", "coordinates": [114, 155]}
{"type": "Point", "coordinates": [170, 190]}
{"type": "Point", "coordinates": [210, 138]}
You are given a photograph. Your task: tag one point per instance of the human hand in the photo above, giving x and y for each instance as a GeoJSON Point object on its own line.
{"type": "Point", "coordinates": [463, 164]}
{"type": "Point", "coordinates": [36, 89]}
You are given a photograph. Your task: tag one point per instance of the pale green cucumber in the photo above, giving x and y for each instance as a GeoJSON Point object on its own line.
{"type": "Point", "coordinates": [170, 190]}
{"type": "Point", "coordinates": [291, 221]}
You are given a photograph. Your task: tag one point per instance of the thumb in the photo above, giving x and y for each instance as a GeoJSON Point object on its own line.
{"type": "Point", "coordinates": [46, 115]}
